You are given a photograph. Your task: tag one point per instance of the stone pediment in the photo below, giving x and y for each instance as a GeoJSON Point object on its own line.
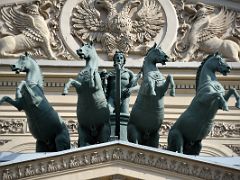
{"type": "Point", "coordinates": [117, 160]}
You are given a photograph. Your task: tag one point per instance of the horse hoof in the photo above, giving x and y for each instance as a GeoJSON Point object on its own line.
{"type": "Point", "coordinates": [172, 93]}
{"type": "Point", "coordinates": [237, 105]}
{"type": "Point", "coordinates": [64, 93]}
{"type": "Point", "coordinates": [225, 109]}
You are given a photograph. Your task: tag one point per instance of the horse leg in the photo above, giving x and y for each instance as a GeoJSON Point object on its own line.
{"type": "Point", "coordinates": [222, 101]}
{"type": "Point", "coordinates": [17, 104]}
{"type": "Point", "coordinates": [92, 78]}
{"type": "Point", "coordinates": [83, 136]}
{"type": "Point", "coordinates": [205, 98]}
{"type": "Point", "coordinates": [71, 82]}
{"type": "Point", "coordinates": [153, 141]}
{"type": "Point", "coordinates": [19, 88]}
{"type": "Point", "coordinates": [169, 81]}
{"type": "Point", "coordinates": [175, 141]}
{"type": "Point", "coordinates": [233, 91]}
{"type": "Point", "coordinates": [62, 139]}
{"type": "Point", "coordinates": [132, 133]}
{"type": "Point", "coordinates": [192, 148]}
{"type": "Point", "coordinates": [41, 146]}
{"type": "Point", "coordinates": [104, 134]}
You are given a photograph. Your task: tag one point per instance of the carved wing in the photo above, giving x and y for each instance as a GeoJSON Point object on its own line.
{"type": "Point", "coordinates": [24, 23]}
{"type": "Point", "coordinates": [218, 25]}
{"type": "Point", "coordinates": [149, 20]}
{"type": "Point", "coordinates": [86, 22]}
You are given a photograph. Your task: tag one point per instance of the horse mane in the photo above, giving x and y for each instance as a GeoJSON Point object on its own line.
{"type": "Point", "coordinates": [200, 69]}
{"type": "Point", "coordinates": [36, 64]}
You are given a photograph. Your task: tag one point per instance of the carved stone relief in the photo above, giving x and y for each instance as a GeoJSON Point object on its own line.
{"type": "Point", "coordinates": [205, 29]}
{"type": "Point", "coordinates": [83, 159]}
{"type": "Point", "coordinates": [32, 27]}
{"type": "Point", "coordinates": [119, 25]}
{"type": "Point", "coordinates": [55, 29]}
{"type": "Point", "coordinates": [12, 126]}
{"type": "Point", "coordinates": [234, 147]}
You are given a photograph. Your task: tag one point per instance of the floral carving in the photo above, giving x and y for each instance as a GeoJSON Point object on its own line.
{"type": "Point", "coordinates": [82, 159]}
{"type": "Point", "coordinates": [12, 126]}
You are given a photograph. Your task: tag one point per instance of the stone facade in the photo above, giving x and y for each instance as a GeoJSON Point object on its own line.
{"type": "Point", "coordinates": [116, 160]}
{"type": "Point", "coordinates": [52, 30]}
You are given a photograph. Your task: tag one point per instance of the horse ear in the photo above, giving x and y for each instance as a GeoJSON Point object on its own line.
{"type": "Point", "coordinates": [155, 45]}
{"type": "Point", "coordinates": [26, 53]}
{"type": "Point", "coordinates": [91, 42]}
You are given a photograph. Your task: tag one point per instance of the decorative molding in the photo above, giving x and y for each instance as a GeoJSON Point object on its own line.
{"type": "Point", "coordinates": [12, 126]}
{"type": "Point", "coordinates": [225, 130]}
{"type": "Point", "coordinates": [234, 147]}
{"type": "Point", "coordinates": [82, 159]}
{"type": "Point", "coordinates": [4, 141]}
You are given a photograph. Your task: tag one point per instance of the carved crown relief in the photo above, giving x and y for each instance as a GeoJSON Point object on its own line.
{"type": "Point", "coordinates": [122, 25]}
{"type": "Point", "coordinates": [206, 29]}
{"type": "Point", "coordinates": [54, 29]}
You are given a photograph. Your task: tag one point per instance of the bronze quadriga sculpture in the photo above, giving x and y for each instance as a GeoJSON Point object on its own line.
{"type": "Point", "coordinates": [44, 122]}
{"type": "Point", "coordinates": [148, 111]}
{"type": "Point", "coordinates": [195, 123]}
{"type": "Point", "coordinates": [92, 109]}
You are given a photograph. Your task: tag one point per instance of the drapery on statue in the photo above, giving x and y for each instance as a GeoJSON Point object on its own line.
{"type": "Point", "coordinates": [28, 30]}
{"type": "Point", "coordinates": [195, 123]}
{"type": "Point", "coordinates": [205, 32]}
{"type": "Point", "coordinates": [44, 122]}
{"type": "Point", "coordinates": [92, 110]}
{"type": "Point", "coordinates": [128, 84]}
{"type": "Point", "coordinates": [148, 111]}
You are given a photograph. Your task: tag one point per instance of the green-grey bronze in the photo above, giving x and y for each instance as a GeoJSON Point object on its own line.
{"type": "Point", "coordinates": [44, 122]}
{"type": "Point", "coordinates": [128, 82]}
{"type": "Point", "coordinates": [195, 123]}
{"type": "Point", "coordinates": [119, 86]}
{"type": "Point", "coordinates": [147, 113]}
{"type": "Point", "coordinates": [92, 110]}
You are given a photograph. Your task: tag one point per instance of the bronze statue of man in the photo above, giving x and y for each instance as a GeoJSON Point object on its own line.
{"type": "Point", "coordinates": [128, 84]}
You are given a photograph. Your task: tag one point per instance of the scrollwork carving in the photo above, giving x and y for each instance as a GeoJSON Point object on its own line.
{"type": "Point", "coordinates": [12, 126]}
{"type": "Point", "coordinates": [225, 130]}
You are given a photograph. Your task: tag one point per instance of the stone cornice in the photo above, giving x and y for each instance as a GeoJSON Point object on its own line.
{"type": "Point", "coordinates": [116, 152]}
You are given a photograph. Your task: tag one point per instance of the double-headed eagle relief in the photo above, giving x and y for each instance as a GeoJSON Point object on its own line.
{"type": "Point", "coordinates": [120, 25]}
{"type": "Point", "coordinates": [206, 29]}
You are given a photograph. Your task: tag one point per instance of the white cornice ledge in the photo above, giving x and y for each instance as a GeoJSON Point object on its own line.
{"type": "Point", "coordinates": [115, 152]}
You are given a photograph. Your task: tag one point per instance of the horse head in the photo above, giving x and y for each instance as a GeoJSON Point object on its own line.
{"type": "Point", "coordinates": [156, 55]}
{"type": "Point", "coordinates": [218, 63]}
{"type": "Point", "coordinates": [23, 64]}
{"type": "Point", "coordinates": [86, 51]}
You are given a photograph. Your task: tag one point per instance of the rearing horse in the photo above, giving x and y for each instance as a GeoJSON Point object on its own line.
{"type": "Point", "coordinates": [44, 122]}
{"type": "Point", "coordinates": [195, 123]}
{"type": "Point", "coordinates": [148, 111]}
{"type": "Point", "coordinates": [92, 109]}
